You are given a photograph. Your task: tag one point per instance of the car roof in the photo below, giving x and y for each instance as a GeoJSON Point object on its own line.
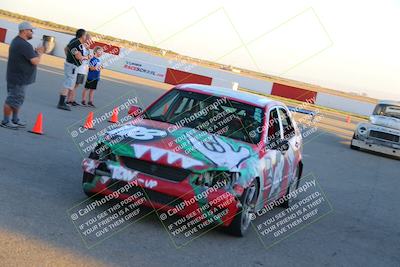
{"type": "Point", "coordinates": [389, 102]}
{"type": "Point", "coordinates": [241, 96]}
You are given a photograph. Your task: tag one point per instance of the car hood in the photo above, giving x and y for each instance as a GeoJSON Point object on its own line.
{"type": "Point", "coordinates": [385, 121]}
{"type": "Point", "coordinates": [182, 147]}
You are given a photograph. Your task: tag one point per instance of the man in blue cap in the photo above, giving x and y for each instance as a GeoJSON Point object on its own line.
{"type": "Point", "coordinates": [21, 71]}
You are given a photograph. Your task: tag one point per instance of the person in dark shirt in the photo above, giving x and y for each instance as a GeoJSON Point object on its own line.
{"type": "Point", "coordinates": [74, 57]}
{"type": "Point", "coordinates": [82, 72]}
{"type": "Point", "coordinates": [21, 71]}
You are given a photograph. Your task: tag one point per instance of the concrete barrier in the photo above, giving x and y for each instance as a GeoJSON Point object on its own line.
{"type": "Point", "coordinates": [177, 77]}
{"type": "Point", "coordinates": [107, 48]}
{"type": "Point", "coordinates": [345, 104]}
{"type": "Point", "coordinates": [294, 93]}
{"type": "Point", "coordinates": [3, 33]}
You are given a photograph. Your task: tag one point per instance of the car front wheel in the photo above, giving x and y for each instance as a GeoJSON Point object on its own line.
{"type": "Point", "coordinates": [88, 177]}
{"type": "Point", "coordinates": [243, 217]}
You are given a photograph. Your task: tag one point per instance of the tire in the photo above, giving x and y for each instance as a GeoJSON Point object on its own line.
{"type": "Point", "coordinates": [351, 143]}
{"type": "Point", "coordinates": [242, 219]}
{"type": "Point", "coordinates": [88, 177]}
{"type": "Point", "coordinates": [293, 186]}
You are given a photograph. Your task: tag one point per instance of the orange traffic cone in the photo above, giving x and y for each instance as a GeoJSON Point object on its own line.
{"type": "Point", "coordinates": [89, 122]}
{"type": "Point", "coordinates": [114, 117]}
{"type": "Point", "coordinates": [348, 119]}
{"type": "Point", "coordinates": [37, 128]}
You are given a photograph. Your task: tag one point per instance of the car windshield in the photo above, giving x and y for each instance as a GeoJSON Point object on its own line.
{"type": "Point", "coordinates": [387, 110]}
{"type": "Point", "coordinates": [213, 114]}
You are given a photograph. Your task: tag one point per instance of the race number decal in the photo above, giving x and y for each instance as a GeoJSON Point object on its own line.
{"type": "Point", "coordinates": [138, 133]}
{"type": "Point", "coordinates": [220, 152]}
{"type": "Point", "coordinates": [214, 146]}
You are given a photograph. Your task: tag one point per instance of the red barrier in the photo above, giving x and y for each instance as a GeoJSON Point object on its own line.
{"type": "Point", "coordinates": [294, 93]}
{"type": "Point", "coordinates": [3, 35]}
{"type": "Point", "coordinates": [109, 49]}
{"type": "Point", "coordinates": [177, 77]}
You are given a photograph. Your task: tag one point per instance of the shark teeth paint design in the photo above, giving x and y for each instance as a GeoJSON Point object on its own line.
{"type": "Point", "coordinates": [157, 153]}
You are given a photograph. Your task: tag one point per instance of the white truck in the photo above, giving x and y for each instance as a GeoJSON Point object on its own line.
{"type": "Point", "coordinates": [382, 133]}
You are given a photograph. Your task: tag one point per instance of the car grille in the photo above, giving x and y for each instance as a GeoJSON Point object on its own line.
{"type": "Point", "coordinates": [151, 195]}
{"type": "Point", "coordinates": [155, 169]}
{"type": "Point", "coordinates": [384, 136]}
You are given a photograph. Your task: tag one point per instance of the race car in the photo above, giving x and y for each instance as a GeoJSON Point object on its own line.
{"type": "Point", "coordinates": [202, 146]}
{"type": "Point", "coordinates": [382, 133]}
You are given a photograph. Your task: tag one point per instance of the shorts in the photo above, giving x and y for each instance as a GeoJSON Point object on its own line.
{"type": "Point", "coordinates": [15, 95]}
{"type": "Point", "coordinates": [70, 74]}
{"type": "Point", "coordinates": [91, 84]}
{"type": "Point", "coordinates": [80, 78]}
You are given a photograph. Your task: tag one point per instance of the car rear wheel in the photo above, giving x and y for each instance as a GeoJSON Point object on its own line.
{"type": "Point", "coordinates": [243, 217]}
{"type": "Point", "coordinates": [292, 187]}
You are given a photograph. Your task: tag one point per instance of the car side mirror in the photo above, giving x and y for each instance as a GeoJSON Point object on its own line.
{"type": "Point", "coordinates": [135, 111]}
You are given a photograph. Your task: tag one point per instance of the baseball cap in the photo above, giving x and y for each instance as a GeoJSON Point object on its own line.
{"type": "Point", "coordinates": [25, 26]}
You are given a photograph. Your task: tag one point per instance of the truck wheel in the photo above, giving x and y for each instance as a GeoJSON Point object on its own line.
{"type": "Point", "coordinates": [351, 143]}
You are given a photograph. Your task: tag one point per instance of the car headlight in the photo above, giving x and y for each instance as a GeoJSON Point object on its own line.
{"type": "Point", "coordinates": [222, 179]}
{"type": "Point", "coordinates": [103, 153]}
{"type": "Point", "coordinates": [362, 130]}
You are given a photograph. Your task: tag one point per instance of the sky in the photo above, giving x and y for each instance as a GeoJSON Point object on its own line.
{"type": "Point", "coordinates": [351, 46]}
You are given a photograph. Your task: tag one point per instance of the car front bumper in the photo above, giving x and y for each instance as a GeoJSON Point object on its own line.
{"type": "Point", "coordinates": [376, 148]}
{"type": "Point", "coordinates": [166, 196]}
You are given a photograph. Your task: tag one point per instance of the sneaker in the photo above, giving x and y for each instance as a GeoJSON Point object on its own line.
{"type": "Point", "coordinates": [9, 125]}
{"type": "Point", "coordinates": [90, 104]}
{"type": "Point", "coordinates": [19, 124]}
{"type": "Point", "coordinates": [64, 107]}
{"type": "Point", "coordinates": [83, 103]}
{"type": "Point", "coordinates": [74, 103]}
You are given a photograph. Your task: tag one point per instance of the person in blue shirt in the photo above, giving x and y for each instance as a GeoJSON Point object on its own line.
{"type": "Point", "coordinates": [93, 76]}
